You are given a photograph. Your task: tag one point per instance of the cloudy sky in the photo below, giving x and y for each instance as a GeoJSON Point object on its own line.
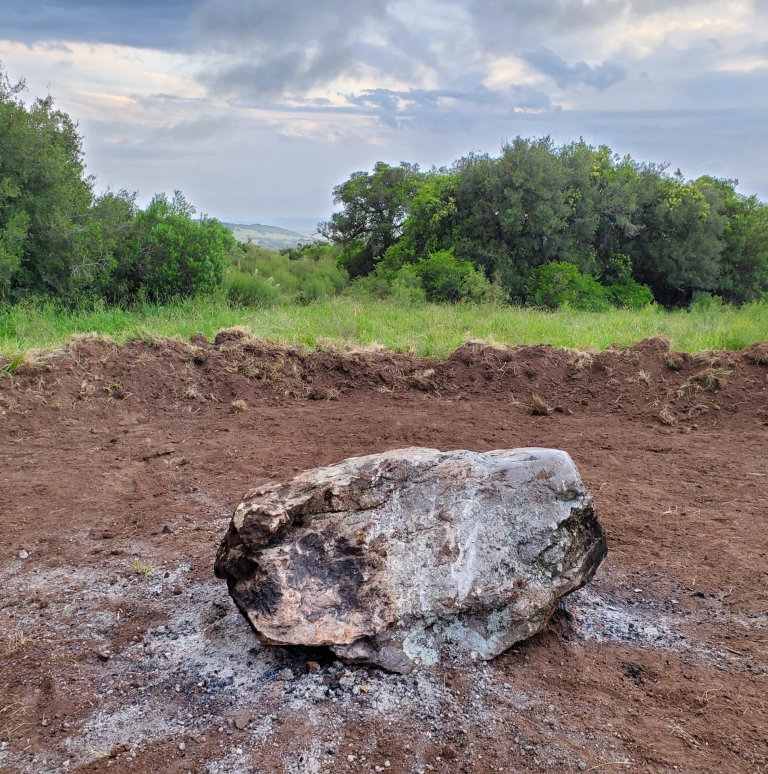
{"type": "Point", "coordinates": [256, 108]}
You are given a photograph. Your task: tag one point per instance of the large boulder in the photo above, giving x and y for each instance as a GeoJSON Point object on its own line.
{"type": "Point", "coordinates": [414, 555]}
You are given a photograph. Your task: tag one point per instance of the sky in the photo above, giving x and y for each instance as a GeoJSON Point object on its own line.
{"type": "Point", "coordinates": [255, 109]}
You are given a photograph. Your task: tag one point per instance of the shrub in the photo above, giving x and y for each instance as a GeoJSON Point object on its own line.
{"type": "Point", "coordinates": [304, 275]}
{"type": "Point", "coordinates": [705, 302]}
{"type": "Point", "coordinates": [180, 256]}
{"type": "Point", "coordinates": [251, 289]}
{"type": "Point", "coordinates": [559, 284]}
{"type": "Point", "coordinates": [377, 285]}
{"type": "Point", "coordinates": [629, 294]}
{"type": "Point", "coordinates": [447, 279]}
{"type": "Point", "coordinates": [407, 287]}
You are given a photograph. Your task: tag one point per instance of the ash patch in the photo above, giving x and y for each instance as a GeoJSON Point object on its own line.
{"type": "Point", "coordinates": [594, 616]}
{"type": "Point", "coordinates": [197, 681]}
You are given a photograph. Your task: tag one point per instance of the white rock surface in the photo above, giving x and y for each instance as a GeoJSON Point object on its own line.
{"type": "Point", "coordinates": [414, 555]}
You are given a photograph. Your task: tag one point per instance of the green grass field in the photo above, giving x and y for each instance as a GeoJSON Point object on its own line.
{"type": "Point", "coordinates": [429, 330]}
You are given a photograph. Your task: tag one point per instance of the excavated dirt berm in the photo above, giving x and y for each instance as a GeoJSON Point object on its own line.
{"type": "Point", "coordinates": [413, 556]}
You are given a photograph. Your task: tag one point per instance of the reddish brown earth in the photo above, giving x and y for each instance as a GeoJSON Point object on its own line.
{"type": "Point", "coordinates": [116, 460]}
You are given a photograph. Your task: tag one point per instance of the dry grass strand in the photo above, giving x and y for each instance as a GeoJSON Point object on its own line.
{"type": "Point", "coordinates": [666, 417]}
{"type": "Point", "coordinates": [540, 407]}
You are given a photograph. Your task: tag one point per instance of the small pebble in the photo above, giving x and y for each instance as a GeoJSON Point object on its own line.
{"type": "Point", "coordinates": [449, 752]}
{"type": "Point", "coordinates": [23, 554]}
{"type": "Point", "coordinates": [182, 746]}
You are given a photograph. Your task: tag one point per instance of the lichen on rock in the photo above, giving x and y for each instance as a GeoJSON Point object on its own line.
{"type": "Point", "coordinates": [413, 556]}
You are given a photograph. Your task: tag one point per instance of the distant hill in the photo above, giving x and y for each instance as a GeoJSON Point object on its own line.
{"type": "Point", "coordinates": [273, 237]}
{"type": "Point", "coordinates": [305, 226]}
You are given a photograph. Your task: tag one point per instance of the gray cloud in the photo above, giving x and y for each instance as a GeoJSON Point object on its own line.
{"type": "Point", "coordinates": [438, 110]}
{"type": "Point", "coordinates": [198, 129]}
{"type": "Point", "coordinates": [521, 16]}
{"type": "Point", "coordinates": [276, 47]}
{"type": "Point", "coordinates": [399, 109]}
{"type": "Point", "coordinates": [281, 24]}
{"type": "Point", "coordinates": [727, 90]}
{"type": "Point", "coordinates": [549, 13]}
{"type": "Point", "coordinates": [255, 53]}
{"type": "Point", "coordinates": [545, 60]}
{"type": "Point", "coordinates": [140, 23]}
{"type": "Point", "coordinates": [293, 71]}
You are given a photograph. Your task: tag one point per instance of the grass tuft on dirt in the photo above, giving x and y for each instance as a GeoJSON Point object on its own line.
{"type": "Point", "coordinates": [540, 407]}
{"type": "Point", "coordinates": [426, 330]}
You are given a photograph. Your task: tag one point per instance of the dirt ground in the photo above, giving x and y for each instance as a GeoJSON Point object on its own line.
{"type": "Point", "coordinates": [119, 649]}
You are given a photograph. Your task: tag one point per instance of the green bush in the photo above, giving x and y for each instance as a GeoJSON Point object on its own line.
{"type": "Point", "coordinates": [705, 302]}
{"type": "Point", "coordinates": [439, 278]}
{"type": "Point", "coordinates": [303, 275]}
{"type": "Point", "coordinates": [180, 256]}
{"type": "Point", "coordinates": [407, 287]}
{"type": "Point", "coordinates": [251, 289]}
{"type": "Point", "coordinates": [447, 279]}
{"type": "Point", "coordinates": [377, 285]}
{"type": "Point", "coordinates": [558, 284]}
{"type": "Point", "coordinates": [629, 294]}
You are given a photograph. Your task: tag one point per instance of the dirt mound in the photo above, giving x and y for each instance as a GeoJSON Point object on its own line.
{"type": "Point", "coordinates": [122, 464]}
{"type": "Point", "coordinates": [757, 354]}
{"type": "Point", "coordinates": [640, 382]}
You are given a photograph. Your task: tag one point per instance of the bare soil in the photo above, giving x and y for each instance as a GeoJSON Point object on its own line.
{"type": "Point", "coordinates": [119, 650]}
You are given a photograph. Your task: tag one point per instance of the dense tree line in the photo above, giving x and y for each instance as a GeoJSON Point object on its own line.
{"type": "Point", "coordinates": [547, 225]}
{"type": "Point", "coordinates": [538, 224]}
{"type": "Point", "coordinates": [60, 240]}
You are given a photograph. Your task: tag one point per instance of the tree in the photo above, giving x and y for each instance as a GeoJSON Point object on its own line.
{"type": "Point", "coordinates": [677, 251]}
{"type": "Point", "coordinates": [512, 213]}
{"type": "Point", "coordinates": [429, 226]}
{"type": "Point", "coordinates": [44, 196]}
{"type": "Point", "coordinates": [374, 210]}
{"type": "Point", "coordinates": [604, 194]}
{"type": "Point", "coordinates": [744, 260]}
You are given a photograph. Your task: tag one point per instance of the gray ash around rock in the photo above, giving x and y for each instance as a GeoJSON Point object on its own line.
{"type": "Point", "coordinates": [413, 556]}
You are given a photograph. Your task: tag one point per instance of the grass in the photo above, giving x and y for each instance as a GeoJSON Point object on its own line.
{"type": "Point", "coordinates": [428, 330]}
{"type": "Point", "coordinates": [142, 568]}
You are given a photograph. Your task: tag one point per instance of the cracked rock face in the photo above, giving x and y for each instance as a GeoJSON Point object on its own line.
{"type": "Point", "coordinates": [413, 556]}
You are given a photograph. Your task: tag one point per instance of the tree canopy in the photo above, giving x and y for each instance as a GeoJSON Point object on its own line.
{"type": "Point", "coordinates": [621, 223]}
{"type": "Point", "coordinates": [58, 239]}
{"type": "Point", "coordinates": [542, 224]}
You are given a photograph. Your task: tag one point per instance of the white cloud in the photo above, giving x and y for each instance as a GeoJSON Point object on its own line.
{"type": "Point", "coordinates": [258, 108]}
